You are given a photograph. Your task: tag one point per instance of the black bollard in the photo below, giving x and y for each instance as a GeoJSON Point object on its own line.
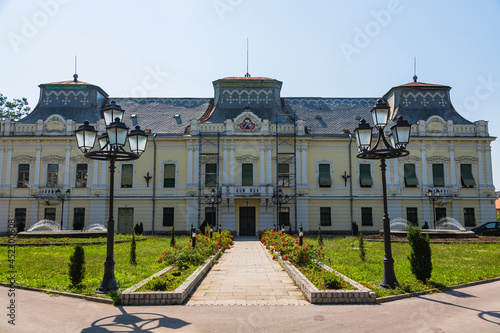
{"type": "Point", "coordinates": [193, 238]}
{"type": "Point", "coordinates": [220, 228]}
{"type": "Point", "coordinates": [301, 236]}
{"type": "Point", "coordinates": [211, 232]}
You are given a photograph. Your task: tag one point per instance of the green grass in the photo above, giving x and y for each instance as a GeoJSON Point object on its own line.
{"type": "Point", "coordinates": [47, 266]}
{"type": "Point", "coordinates": [453, 263]}
{"type": "Point", "coordinates": [47, 240]}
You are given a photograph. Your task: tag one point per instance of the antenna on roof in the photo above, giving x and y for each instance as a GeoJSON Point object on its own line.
{"type": "Point", "coordinates": [75, 76]}
{"type": "Point", "coordinates": [415, 69]}
{"type": "Point", "coordinates": [247, 74]}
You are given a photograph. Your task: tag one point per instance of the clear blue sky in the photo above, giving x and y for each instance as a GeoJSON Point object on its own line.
{"type": "Point", "coordinates": [317, 48]}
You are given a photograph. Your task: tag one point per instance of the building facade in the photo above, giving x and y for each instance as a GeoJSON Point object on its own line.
{"type": "Point", "coordinates": [225, 160]}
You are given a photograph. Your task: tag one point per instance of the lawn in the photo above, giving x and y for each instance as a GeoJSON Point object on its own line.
{"type": "Point", "coordinates": [47, 266]}
{"type": "Point", "coordinates": [453, 263]}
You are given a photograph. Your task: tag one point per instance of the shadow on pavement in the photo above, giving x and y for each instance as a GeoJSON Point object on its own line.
{"type": "Point", "coordinates": [489, 316]}
{"type": "Point", "coordinates": [134, 322]}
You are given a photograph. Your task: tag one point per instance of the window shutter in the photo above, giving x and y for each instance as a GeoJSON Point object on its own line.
{"type": "Point", "coordinates": [247, 174]}
{"type": "Point", "coordinates": [324, 175]}
{"type": "Point", "coordinates": [127, 177]}
{"type": "Point", "coordinates": [365, 176]}
{"type": "Point", "coordinates": [169, 174]}
{"type": "Point", "coordinates": [466, 173]}
{"type": "Point", "coordinates": [438, 174]}
{"type": "Point", "coordinates": [410, 175]}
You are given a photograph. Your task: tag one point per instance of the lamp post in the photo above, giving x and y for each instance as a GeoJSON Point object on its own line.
{"type": "Point", "coordinates": [279, 200]}
{"type": "Point", "coordinates": [382, 150]}
{"type": "Point", "coordinates": [112, 145]}
{"type": "Point", "coordinates": [433, 195]}
{"type": "Point", "coordinates": [214, 198]}
{"type": "Point", "coordinates": [63, 197]}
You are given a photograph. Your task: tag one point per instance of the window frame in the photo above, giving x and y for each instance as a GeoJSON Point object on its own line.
{"type": "Point", "coordinates": [78, 212]}
{"type": "Point", "coordinates": [284, 216]}
{"type": "Point", "coordinates": [165, 179]}
{"type": "Point", "coordinates": [83, 176]}
{"type": "Point", "coordinates": [23, 173]}
{"type": "Point", "coordinates": [283, 177]}
{"type": "Point", "coordinates": [213, 175]}
{"type": "Point", "coordinates": [249, 167]}
{"type": "Point", "coordinates": [325, 216]}
{"type": "Point", "coordinates": [52, 175]}
{"type": "Point", "coordinates": [168, 217]}
{"type": "Point", "coordinates": [469, 217]}
{"type": "Point", "coordinates": [327, 175]}
{"type": "Point", "coordinates": [463, 179]}
{"type": "Point", "coordinates": [366, 216]}
{"type": "Point", "coordinates": [409, 212]}
{"type": "Point", "coordinates": [441, 179]}
{"type": "Point", "coordinates": [123, 183]}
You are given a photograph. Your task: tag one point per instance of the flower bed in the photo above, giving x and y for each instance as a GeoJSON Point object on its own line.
{"type": "Point", "coordinates": [299, 260]}
{"type": "Point", "coordinates": [174, 284]}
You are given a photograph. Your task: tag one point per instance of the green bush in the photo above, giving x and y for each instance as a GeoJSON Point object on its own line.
{"type": "Point", "coordinates": [139, 229]}
{"type": "Point", "coordinates": [425, 226]}
{"type": "Point", "coordinates": [77, 266]}
{"type": "Point", "coordinates": [133, 257]}
{"type": "Point", "coordinates": [172, 238]}
{"type": "Point", "coordinates": [420, 255]}
{"type": "Point", "coordinates": [320, 236]}
{"type": "Point", "coordinates": [332, 281]}
{"type": "Point", "coordinates": [355, 228]}
{"type": "Point", "coordinates": [362, 250]}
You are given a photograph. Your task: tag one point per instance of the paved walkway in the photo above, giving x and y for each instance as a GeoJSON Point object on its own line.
{"type": "Point", "coordinates": [247, 275]}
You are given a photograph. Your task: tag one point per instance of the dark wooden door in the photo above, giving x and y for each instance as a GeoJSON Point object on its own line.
{"type": "Point", "coordinates": [247, 221]}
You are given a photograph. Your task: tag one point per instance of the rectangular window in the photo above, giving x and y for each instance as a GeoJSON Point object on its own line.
{"type": "Point", "coordinates": [365, 175]}
{"type": "Point", "coordinates": [284, 174]}
{"type": "Point", "coordinates": [285, 216]}
{"type": "Point", "coordinates": [324, 175]}
{"type": "Point", "coordinates": [469, 217]}
{"type": "Point", "coordinates": [366, 216]}
{"type": "Point", "coordinates": [411, 215]}
{"type": "Point", "coordinates": [438, 175]}
{"type": "Point", "coordinates": [440, 213]}
{"type": "Point", "coordinates": [169, 175]}
{"type": "Point", "coordinates": [78, 218]}
{"type": "Point", "coordinates": [210, 215]}
{"type": "Point", "coordinates": [410, 175]}
{"type": "Point", "coordinates": [20, 218]}
{"type": "Point", "coordinates": [23, 175]}
{"type": "Point", "coordinates": [127, 175]}
{"type": "Point", "coordinates": [50, 214]}
{"type": "Point", "coordinates": [81, 175]}
{"type": "Point", "coordinates": [466, 174]}
{"type": "Point", "coordinates": [168, 216]}
{"type": "Point", "coordinates": [52, 172]}
{"type": "Point", "coordinates": [325, 216]}
{"type": "Point", "coordinates": [210, 175]}
{"type": "Point", "coordinates": [247, 174]}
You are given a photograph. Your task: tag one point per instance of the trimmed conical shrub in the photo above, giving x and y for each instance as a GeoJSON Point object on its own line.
{"type": "Point", "coordinates": [420, 255]}
{"type": "Point", "coordinates": [77, 266]}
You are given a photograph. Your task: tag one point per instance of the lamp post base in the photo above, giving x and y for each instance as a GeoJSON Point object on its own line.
{"type": "Point", "coordinates": [108, 282]}
{"type": "Point", "coordinates": [389, 280]}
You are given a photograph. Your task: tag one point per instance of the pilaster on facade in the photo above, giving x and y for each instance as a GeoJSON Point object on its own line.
{"type": "Point", "coordinates": [453, 174]}
{"type": "Point", "coordinates": [423, 151]}
{"type": "Point", "coordinates": [38, 166]}
{"type": "Point", "coordinates": [2, 150]}
{"type": "Point", "coordinates": [8, 169]}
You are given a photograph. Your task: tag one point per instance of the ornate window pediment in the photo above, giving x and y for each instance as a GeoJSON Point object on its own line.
{"type": "Point", "coordinates": [409, 159]}
{"type": "Point", "coordinates": [438, 159]}
{"type": "Point", "coordinates": [247, 159]}
{"type": "Point", "coordinates": [23, 159]}
{"type": "Point", "coordinates": [466, 159]}
{"type": "Point", "coordinates": [53, 159]}
{"type": "Point", "coordinates": [80, 159]}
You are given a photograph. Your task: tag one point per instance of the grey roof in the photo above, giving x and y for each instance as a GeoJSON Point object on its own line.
{"type": "Point", "coordinates": [330, 115]}
{"type": "Point", "coordinates": [75, 100]}
{"type": "Point", "coordinates": [158, 114]}
{"type": "Point", "coordinates": [419, 101]}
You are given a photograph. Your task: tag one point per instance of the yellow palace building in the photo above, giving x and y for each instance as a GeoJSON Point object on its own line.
{"type": "Point", "coordinates": [246, 159]}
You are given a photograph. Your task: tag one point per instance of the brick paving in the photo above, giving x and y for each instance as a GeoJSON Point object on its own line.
{"type": "Point", "coordinates": [247, 275]}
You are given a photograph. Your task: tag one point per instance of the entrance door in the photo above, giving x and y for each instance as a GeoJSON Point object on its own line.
{"type": "Point", "coordinates": [125, 220]}
{"type": "Point", "coordinates": [247, 221]}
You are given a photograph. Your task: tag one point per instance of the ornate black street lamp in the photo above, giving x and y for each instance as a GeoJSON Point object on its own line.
{"type": "Point", "coordinates": [112, 149]}
{"type": "Point", "coordinates": [279, 200]}
{"type": "Point", "coordinates": [382, 150]}
{"type": "Point", "coordinates": [213, 199]}
{"type": "Point", "coordinates": [433, 195]}
{"type": "Point", "coordinates": [63, 197]}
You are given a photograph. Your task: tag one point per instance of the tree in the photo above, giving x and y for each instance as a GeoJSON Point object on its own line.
{"type": "Point", "coordinates": [420, 255]}
{"type": "Point", "coordinates": [14, 109]}
{"type": "Point", "coordinates": [77, 266]}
